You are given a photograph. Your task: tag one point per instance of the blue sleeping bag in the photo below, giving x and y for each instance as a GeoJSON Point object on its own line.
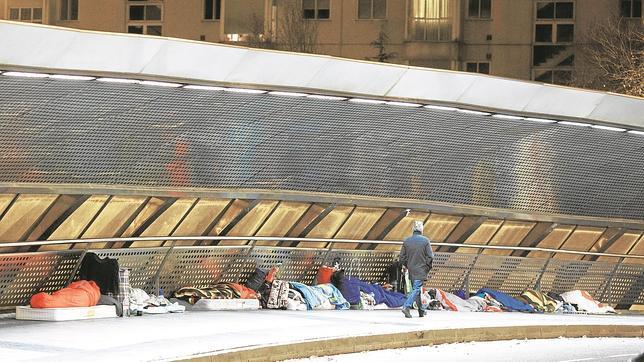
{"type": "Point", "coordinates": [312, 297]}
{"type": "Point", "coordinates": [351, 288]}
{"type": "Point", "coordinates": [507, 301]}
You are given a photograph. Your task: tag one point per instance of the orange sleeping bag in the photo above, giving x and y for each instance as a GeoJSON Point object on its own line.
{"type": "Point", "coordinates": [82, 293]}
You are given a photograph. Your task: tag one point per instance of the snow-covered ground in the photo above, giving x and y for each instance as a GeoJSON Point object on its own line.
{"type": "Point", "coordinates": [154, 337]}
{"type": "Point", "coordinates": [538, 350]}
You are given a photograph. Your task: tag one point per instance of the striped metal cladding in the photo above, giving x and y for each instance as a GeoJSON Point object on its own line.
{"type": "Point", "coordinates": [31, 218]}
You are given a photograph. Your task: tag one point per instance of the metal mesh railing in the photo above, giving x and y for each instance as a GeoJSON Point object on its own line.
{"type": "Point", "coordinates": [23, 274]}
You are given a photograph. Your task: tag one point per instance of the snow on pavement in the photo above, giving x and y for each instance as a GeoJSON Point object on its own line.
{"type": "Point", "coordinates": [537, 350]}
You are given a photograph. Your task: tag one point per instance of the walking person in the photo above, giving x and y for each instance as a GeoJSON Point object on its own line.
{"type": "Point", "coordinates": [416, 255]}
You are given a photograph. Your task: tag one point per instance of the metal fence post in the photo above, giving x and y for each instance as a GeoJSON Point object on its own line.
{"type": "Point", "coordinates": [609, 282]}
{"type": "Point", "coordinates": [328, 252]}
{"type": "Point", "coordinates": [537, 284]}
{"type": "Point", "coordinates": [157, 276]}
{"type": "Point", "coordinates": [466, 282]}
{"type": "Point", "coordinates": [76, 267]}
{"type": "Point", "coordinates": [250, 250]}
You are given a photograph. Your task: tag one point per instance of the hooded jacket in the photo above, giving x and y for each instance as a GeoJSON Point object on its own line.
{"type": "Point", "coordinates": [417, 255]}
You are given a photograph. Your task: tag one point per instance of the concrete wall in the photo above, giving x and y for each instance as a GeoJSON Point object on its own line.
{"type": "Point", "coordinates": [509, 50]}
{"type": "Point", "coordinates": [94, 15]}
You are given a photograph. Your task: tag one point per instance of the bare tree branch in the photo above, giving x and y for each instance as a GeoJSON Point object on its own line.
{"type": "Point", "coordinates": [615, 50]}
{"type": "Point", "coordinates": [380, 44]}
{"type": "Point", "coordinates": [294, 33]}
{"type": "Point", "coordinates": [259, 37]}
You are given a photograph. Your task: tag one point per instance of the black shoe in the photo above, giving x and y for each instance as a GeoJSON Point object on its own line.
{"type": "Point", "coordinates": [421, 313]}
{"type": "Point", "coordinates": [406, 312]}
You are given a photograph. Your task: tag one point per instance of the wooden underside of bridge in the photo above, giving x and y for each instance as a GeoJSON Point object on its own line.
{"type": "Point", "coordinates": [40, 217]}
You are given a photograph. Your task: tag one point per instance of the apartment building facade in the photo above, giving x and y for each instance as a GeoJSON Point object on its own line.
{"type": "Point", "coordinates": [524, 39]}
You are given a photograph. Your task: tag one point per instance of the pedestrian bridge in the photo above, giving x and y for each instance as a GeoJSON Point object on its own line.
{"type": "Point", "coordinates": [191, 177]}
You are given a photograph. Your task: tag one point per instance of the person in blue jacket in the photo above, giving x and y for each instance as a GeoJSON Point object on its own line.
{"type": "Point", "coordinates": [416, 255]}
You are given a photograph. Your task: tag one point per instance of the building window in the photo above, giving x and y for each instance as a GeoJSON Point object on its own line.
{"type": "Point", "coordinates": [36, 15]}
{"type": "Point", "coordinates": [145, 29]}
{"type": "Point", "coordinates": [481, 9]}
{"type": "Point", "coordinates": [145, 17]}
{"type": "Point", "coordinates": [29, 15]}
{"type": "Point", "coordinates": [553, 76]}
{"type": "Point", "coordinates": [478, 67]}
{"type": "Point", "coordinates": [145, 12]}
{"type": "Point", "coordinates": [555, 10]}
{"type": "Point", "coordinates": [554, 33]}
{"type": "Point", "coordinates": [543, 33]}
{"type": "Point", "coordinates": [543, 53]}
{"type": "Point", "coordinates": [68, 9]}
{"type": "Point", "coordinates": [631, 8]}
{"type": "Point", "coordinates": [372, 9]}
{"type": "Point", "coordinates": [316, 9]}
{"type": "Point", "coordinates": [212, 10]}
{"type": "Point", "coordinates": [135, 29]}
{"type": "Point", "coordinates": [554, 24]}
{"type": "Point", "coordinates": [431, 20]}
{"type": "Point", "coordinates": [565, 33]}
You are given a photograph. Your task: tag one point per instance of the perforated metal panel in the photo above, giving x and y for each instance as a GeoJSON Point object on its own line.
{"type": "Point", "coordinates": [22, 275]}
{"type": "Point", "coordinates": [101, 133]}
{"type": "Point", "coordinates": [520, 274]}
{"type": "Point", "coordinates": [512, 275]}
{"type": "Point", "coordinates": [595, 278]}
{"type": "Point", "coordinates": [450, 270]}
{"type": "Point", "coordinates": [626, 285]}
{"type": "Point", "coordinates": [368, 265]}
{"type": "Point", "coordinates": [143, 264]}
{"type": "Point", "coordinates": [562, 275]}
{"type": "Point", "coordinates": [297, 264]}
{"type": "Point", "coordinates": [204, 266]}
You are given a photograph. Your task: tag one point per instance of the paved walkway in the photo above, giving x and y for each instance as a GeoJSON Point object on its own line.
{"type": "Point", "coordinates": [154, 337]}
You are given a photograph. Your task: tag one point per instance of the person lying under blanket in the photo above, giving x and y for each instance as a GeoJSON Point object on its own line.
{"type": "Point", "coordinates": [217, 291]}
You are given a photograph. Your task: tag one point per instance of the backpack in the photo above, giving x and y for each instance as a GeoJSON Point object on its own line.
{"type": "Point", "coordinates": [278, 296]}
